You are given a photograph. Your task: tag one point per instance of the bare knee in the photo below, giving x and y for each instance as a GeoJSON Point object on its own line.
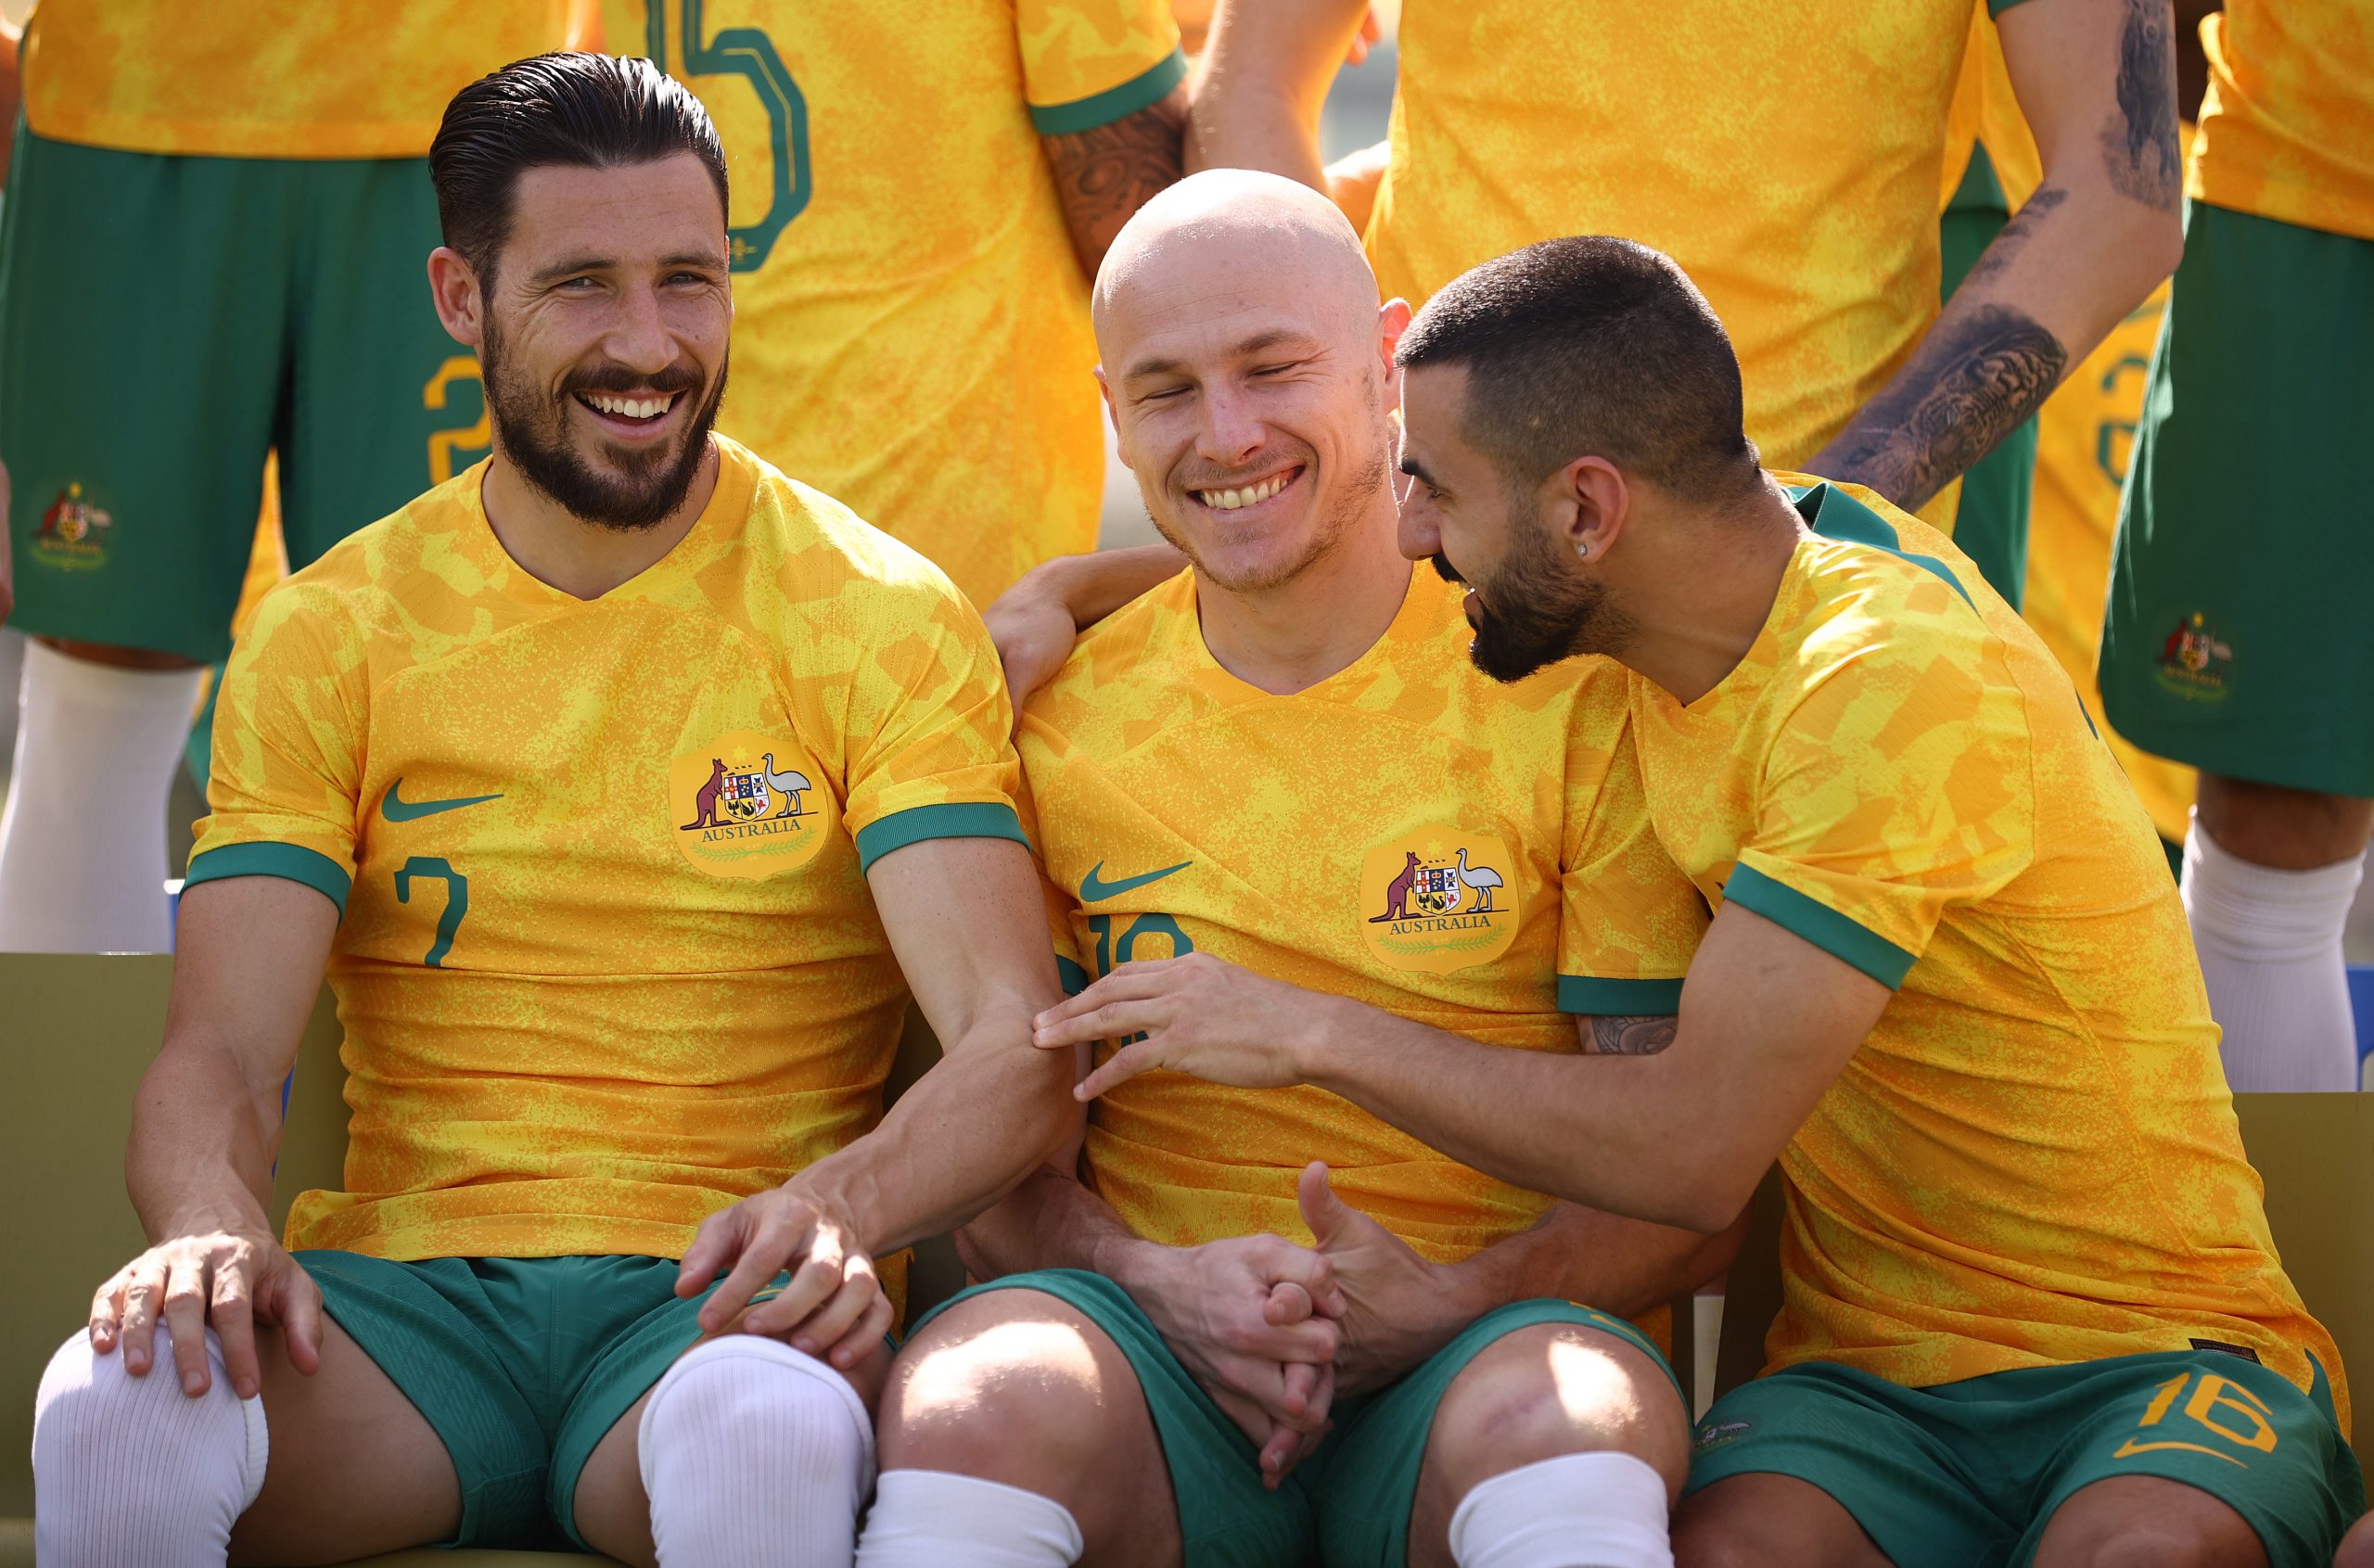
{"type": "Point", "coordinates": [2147, 1522]}
{"type": "Point", "coordinates": [1551, 1390]}
{"type": "Point", "coordinates": [1011, 1386]}
{"type": "Point", "coordinates": [2288, 829]}
{"type": "Point", "coordinates": [2357, 1547]}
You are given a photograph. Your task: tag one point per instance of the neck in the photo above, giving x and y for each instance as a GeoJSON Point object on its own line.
{"type": "Point", "coordinates": [1286, 638]}
{"type": "Point", "coordinates": [1699, 604]}
{"type": "Point", "coordinates": [562, 550]}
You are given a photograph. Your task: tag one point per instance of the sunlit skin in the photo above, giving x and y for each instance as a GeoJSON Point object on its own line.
{"type": "Point", "coordinates": [615, 277]}
{"type": "Point", "coordinates": [1224, 376]}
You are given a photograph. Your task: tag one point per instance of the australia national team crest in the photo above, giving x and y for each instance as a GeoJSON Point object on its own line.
{"type": "Point", "coordinates": [72, 535]}
{"type": "Point", "coordinates": [2195, 662]}
{"type": "Point", "coordinates": [1439, 899]}
{"type": "Point", "coordinates": [747, 805]}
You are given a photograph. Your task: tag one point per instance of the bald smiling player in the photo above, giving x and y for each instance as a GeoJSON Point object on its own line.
{"type": "Point", "coordinates": [1278, 779]}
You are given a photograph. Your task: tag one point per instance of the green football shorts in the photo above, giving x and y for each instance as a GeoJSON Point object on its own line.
{"type": "Point", "coordinates": [2239, 636]}
{"type": "Point", "coordinates": [164, 320]}
{"type": "Point", "coordinates": [520, 1366]}
{"type": "Point", "coordinates": [1966, 1474]}
{"type": "Point", "coordinates": [1349, 1503]}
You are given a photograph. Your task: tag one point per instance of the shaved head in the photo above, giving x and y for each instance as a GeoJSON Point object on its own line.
{"type": "Point", "coordinates": [1249, 370]}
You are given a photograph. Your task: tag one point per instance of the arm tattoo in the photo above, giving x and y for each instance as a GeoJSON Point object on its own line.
{"type": "Point", "coordinates": [1632, 1036]}
{"type": "Point", "coordinates": [1971, 384]}
{"type": "Point", "coordinates": [2140, 141]}
{"type": "Point", "coordinates": [2015, 234]}
{"type": "Point", "coordinates": [1104, 175]}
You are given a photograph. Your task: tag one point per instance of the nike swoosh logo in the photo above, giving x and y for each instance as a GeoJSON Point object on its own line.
{"type": "Point", "coordinates": [1092, 890]}
{"type": "Point", "coordinates": [397, 809]}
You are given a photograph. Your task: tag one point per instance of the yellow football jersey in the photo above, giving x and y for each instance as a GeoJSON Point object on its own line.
{"type": "Point", "coordinates": [2033, 1158]}
{"type": "Point", "coordinates": [2284, 128]}
{"type": "Point", "coordinates": [608, 961]}
{"type": "Point", "coordinates": [911, 325]}
{"type": "Point", "coordinates": [275, 78]}
{"type": "Point", "coordinates": [2084, 435]}
{"type": "Point", "coordinates": [1786, 157]}
{"type": "Point", "coordinates": [1985, 111]}
{"type": "Point", "coordinates": [1407, 832]}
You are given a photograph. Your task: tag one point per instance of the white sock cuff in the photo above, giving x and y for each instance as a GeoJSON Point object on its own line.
{"type": "Point", "coordinates": [1600, 1509]}
{"type": "Point", "coordinates": [751, 1352]}
{"type": "Point", "coordinates": [970, 1508]}
{"type": "Point", "coordinates": [2262, 910]}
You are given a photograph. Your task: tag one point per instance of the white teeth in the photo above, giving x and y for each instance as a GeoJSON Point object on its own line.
{"type": "Point", "coordinates": [1231, 500]}
{"type": "Point", "coordinates": [634, 408]}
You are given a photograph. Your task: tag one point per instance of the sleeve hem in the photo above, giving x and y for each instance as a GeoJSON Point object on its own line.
{"type": "Point", "coordinates": [1148, 87]}
{"type": "Point", "coordinates": [1602, 998]}
{"type": "Point", "coordinates": [1996, 8]}
{"type": "Point", "coordinates": [291, 862]}
{"type": "Point", "coordinates": [1837, 935]}
{"type": "Point", "coordinates": [977, 820]}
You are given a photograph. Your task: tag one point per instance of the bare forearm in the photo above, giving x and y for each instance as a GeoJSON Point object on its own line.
{"type": "Point", "coordinates": [1053, 1221]}
{"type": "Point", "coordinates": [1091, 587]}
{"type": "Point", "coordinates": [1265, 78]}
{"type": "Point", "coordinates": [1618, 1265]}
{"type": "Point", "coordinates": [1595, 1130]}
{"type": "Point", "coordinates": [203, 1139]}
{"type": "Point", "coordinates": [961, 1138]}
{"type": "Point", "coordinates": [1103, 176]}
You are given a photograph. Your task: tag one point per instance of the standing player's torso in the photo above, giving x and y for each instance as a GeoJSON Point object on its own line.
{"type": "Point", "coordinates": [2084, 436]}
{"type": "Point", "coordinates": [608, 959]}
{"type": "Point", "coordinates": [2033, 1158]}
{"type": "Point", "coordinates": [910, 330]}
{"type": "Point", "coordinates": [1392, 835]}
{"type": "Point", "coordinates": [273, 78]}
{"type": "Point", "coordinates": [2285, 129]}
{"type": "Point", "coordinates": [1786, 157]}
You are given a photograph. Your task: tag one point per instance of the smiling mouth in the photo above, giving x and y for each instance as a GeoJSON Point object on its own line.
{"type": "Point", "coordinates": [630, 410]}
{"type": "Point", "coordinates": [1235, 498]}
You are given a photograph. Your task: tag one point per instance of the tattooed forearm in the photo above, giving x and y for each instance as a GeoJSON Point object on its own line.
{"type": "Point", "coordinates": [1632, 1037]}
{"type": "Point", "coordinates": [1103, 176]}
{"type": "Point", "coordinates": [2140, 141]}
{"type": "Point", "coordinates": [2014, 235]}
{"type": "Point", "coordinates": [1978, 374]}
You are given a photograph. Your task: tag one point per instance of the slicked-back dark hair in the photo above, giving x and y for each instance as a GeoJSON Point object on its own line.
{"type": "Point", "coordinates": [1591, 347]}
{"type": "Point", "coordinates": [573, 110]}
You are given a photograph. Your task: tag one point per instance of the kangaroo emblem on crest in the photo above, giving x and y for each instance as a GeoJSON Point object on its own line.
{"type": "Point", "coordinates": [705, 803]}
{"type": "Point", "coordinates": [1397, 892]}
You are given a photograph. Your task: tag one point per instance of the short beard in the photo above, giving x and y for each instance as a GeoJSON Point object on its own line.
{"type": "Point", "coordinates": [533, 431]}
{"type": "Point", "coordinates": [1333, 524]}
{"type": "Point", "coordinates": [1534, 613]}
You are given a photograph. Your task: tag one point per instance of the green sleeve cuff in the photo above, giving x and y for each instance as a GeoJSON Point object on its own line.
{"type": "Point", "coordinates": [1138, 92]}
{"type": "Point", "coordinates": [1996, 8]}
{"type": "Point", "coordinates": [1834, 933]}
{"type": "Point", "coordinates": [292, 862]}
{"type": "Point", "coordinates": [995, 820]}
{"type": "Point", "coordinates": [1617, 998]}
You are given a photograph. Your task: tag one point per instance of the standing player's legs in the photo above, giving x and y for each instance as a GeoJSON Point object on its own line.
{"type": "Point", "coordinates": [2238, 623]}
{"type": "Point", "coordinates": [139, 355]}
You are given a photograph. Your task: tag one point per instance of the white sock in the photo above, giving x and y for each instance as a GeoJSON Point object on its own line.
{"type": "Point", "coordinates": [83, 837]}
{"type": "Point", "coordinates": [1579, 1510]}
{"type": "Point", "coordinates": [931, 1519]}
{"type": "Point", "coordinates": [755, 1456]}
{"type": "Point", "coordinates": [131, 1469]}
{"type": "Point", "coordinates": [2270, 951]}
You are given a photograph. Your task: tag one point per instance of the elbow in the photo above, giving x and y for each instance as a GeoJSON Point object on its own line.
{"type": "Point", "coordinates": [2162, 247]}
{"type": "Point", "coordinates": [2143, 250]}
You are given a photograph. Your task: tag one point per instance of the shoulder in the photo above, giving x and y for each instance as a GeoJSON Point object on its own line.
{"type": "Point", "coordinates": [1123, 675]}
{"type": "Point", "coordinates": [387, 573]}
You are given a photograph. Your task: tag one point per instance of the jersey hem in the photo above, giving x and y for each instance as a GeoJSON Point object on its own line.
{"type": "Point", "coordinates": [975, 820]}
{"type": "Point", "coordinates": [1602, 998]}
{"type": "Point", "coordinates": [1142, 91]}
{"type": "Point", "coordinates": [291, 862]}
{"type": "Point", "coordinates": [1834, 933]}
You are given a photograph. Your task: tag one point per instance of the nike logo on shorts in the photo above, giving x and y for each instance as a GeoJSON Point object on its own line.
{"type": "Point", "coordinates": [397, 809]}
{"type": "Point", "coordinates": [1092, 890]}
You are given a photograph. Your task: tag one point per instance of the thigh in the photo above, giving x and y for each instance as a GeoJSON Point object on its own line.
{"type": "Point", "coordinates": [2220, 1460]}
{"type": "Point", "coordinates": [1883, 1459]}
{"type": "Point", "coordinates": [383, 404]}
{"type": "Point", "coordinates": [1526, 1382]}
{"type": "Point", "coordinates": [354, 1468]}
{"type": "Point", "coordinates": [139, 344]}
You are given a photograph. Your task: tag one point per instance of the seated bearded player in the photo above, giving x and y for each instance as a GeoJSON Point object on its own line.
{"type": "Point", "coordinates": [623, 787]}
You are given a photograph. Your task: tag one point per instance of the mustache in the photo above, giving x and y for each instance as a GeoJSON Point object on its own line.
{"type": "Point", "coordinates": [614, 377]}
{"type": "Point", "coordinates": [1444, 569]}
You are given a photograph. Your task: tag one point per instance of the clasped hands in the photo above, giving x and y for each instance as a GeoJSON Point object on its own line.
{"type": "Point", "coordinates": [1275, 1334]}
